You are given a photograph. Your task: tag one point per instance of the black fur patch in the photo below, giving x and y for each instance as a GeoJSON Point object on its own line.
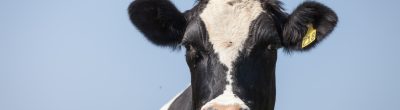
{"type": "Point", "coordinates": [254, 70]}
{"type": "Point", "coordinates": [207, 73]}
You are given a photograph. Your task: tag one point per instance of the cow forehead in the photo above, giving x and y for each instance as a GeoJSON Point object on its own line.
{"type": "Point", "coordinates": [228, 25]}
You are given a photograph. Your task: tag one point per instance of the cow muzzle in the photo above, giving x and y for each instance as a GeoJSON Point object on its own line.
{"type": "Point", "coordinates": [225, 107]}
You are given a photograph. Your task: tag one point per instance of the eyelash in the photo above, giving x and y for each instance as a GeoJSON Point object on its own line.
{"type": "Point", "coordinates": [192, 52]}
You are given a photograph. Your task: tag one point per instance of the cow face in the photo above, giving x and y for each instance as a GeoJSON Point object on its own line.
{"type": "Point", "coordinates": [231, 45]}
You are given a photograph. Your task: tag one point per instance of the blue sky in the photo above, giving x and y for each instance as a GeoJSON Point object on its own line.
{"type": "Point", "coordinates": [86, 55]}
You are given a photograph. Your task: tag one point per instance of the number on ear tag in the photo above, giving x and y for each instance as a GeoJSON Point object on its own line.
{"type": "Point", "coordinates": [310, 36]}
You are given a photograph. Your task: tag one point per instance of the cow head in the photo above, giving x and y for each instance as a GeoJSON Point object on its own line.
{"type": "Point", "coordinates": [231, 45]}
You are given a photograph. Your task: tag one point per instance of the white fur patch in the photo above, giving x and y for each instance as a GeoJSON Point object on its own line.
{"type": "Point", "coordinates": [166, 106]}
{"type": "Point", "coordinates": [228, 23]}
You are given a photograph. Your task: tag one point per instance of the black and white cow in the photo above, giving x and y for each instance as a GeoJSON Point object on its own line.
{"type": "Point", "coordinates": [231, 46]}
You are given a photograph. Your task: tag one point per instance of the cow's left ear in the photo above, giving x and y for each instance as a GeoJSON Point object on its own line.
{"type": "Point", "coordinates": [308, 25]}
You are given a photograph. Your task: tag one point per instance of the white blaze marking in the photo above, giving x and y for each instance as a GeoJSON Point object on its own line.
{"type": "Point", "coordinates": [228, 23]}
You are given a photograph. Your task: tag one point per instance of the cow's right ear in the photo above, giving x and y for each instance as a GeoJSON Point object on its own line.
{"type": "Point", "coordinates": [159, 20]}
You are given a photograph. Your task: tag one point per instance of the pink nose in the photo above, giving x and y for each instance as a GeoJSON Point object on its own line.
{"type": "Point", "coordinates": [225, 107]}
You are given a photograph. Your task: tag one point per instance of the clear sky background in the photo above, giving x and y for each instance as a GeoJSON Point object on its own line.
{"type": "Point", "coordinates": [86, 55]}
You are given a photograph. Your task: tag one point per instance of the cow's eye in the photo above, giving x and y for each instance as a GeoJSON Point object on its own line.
{"type": "Point", "coordinates": [271, 47]}
{"type": "Point", "coordinates": [192, 54]}
{"type": "Point", "coordinates": [190, 48]}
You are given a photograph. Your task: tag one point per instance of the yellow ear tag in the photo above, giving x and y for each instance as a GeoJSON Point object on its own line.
{"type": "Point", "coordinates": [310, 36]}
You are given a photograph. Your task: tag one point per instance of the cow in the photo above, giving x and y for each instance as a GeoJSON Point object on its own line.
{"type": "Point", "coordinates": [231, 46]}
